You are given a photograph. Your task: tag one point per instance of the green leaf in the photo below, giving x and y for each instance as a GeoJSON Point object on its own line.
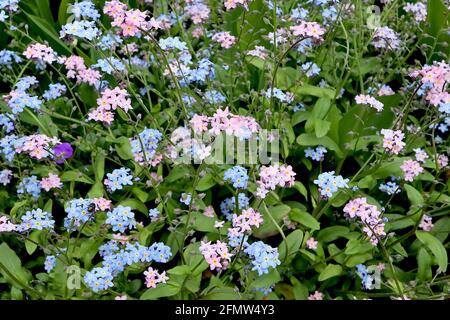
{"type": "Point", "coordinates": [310, 139]}
{"type": "Point", "coordinates": [272, 277]}
{"type": "Point", "coordinates": [355, 246]}
{"type": "Point", "coordinates": [436, 15]}
{"type": "Point", "coordinates": [301, 188]}
{"type": "Point", "coordinates": [46, 31]}
{"type": "Point", "coordinates": [31, 246]}
{"type": "Point", "coordinates": [414, 196]}
{"type": "Point", "coordinates": [300, 290]}
{"type": "Point", "coordinates": [62, 11]}
{"type": "Point", "coordinates": [424, 271]}
{"type": "Point", "coordinates": [321, 127]}
{"type": "Point", "coordinates": [332, 233]}
{"type": "Point", "coordinates": [331, 270]}
{"type": "Point", "coordinates": [307, 89]}
{"type": "Point", "coordinates": [162, 290]}
{"type": "Point", "coordinates": [294, 240]}
{"type": "Point", "coordinates": [268, 228]}
{"type": "Point", "coordinates": [134, 204]}
{"type": "Point", "coordinates": [321, 108]}
{"type": "Point", "coordinates": [74, 175]}
{"type": "Point", "coordinates": [123, 148]}
{"type": "Point", "coordinates": [304, 218]}
{"type": "Point", "coordinates": [99, 165]}
{"type": "Point", "coordinates": [435, 247]}
{"type": "Point", "coordinates": [11, 262]}
{"type": "Point", "coordinates": [44, 10]}
{"type": "Point", "coordinates": [205, 183]}
{"type": "Point", "coordinates": [96, 190]}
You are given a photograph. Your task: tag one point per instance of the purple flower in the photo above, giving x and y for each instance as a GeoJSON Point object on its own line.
{"type": "Point", "coordinates": [63, 151]}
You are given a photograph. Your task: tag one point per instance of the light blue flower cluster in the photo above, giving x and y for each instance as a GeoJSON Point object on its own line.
{"type": "Point", "coordinates": [5, 176]}
{"type": "Point", "coordinates": [99, 279]}
{"type": "Point", "coordinates": [7, 58]}
{"type": "Point", "coordinates": [7, 148]}
{"type": "Point", "coordinates": [299, 13]}
{"type": "Point", "coordinates": [328, 183]}
{"type": "Point", "coordinates": [19, 100]}
{"type": "Point", "coordinates": [205, 70]}
{"type": "Point", "coordinates": [317, 155]}
{"type": "Point", "coordinates": [214, 97]}
{"type": "Point", "coordinates": [82, 29]}
{"type": "Point", "coordinates": [84, 9]}
{"type": "Point", "coordinates": [149, 139]}
{"type": "Point", "coordinates": [237, 175]}
{"type": "Point", "coordinates": [36, 219]}
{"type": "Point", "coordinates": [311, 69]}
{"type": "Point", "coordinates": [299, 107]}
{"type": "Point", "coordinates": [228, 206]}
{"type": "Point", "coordinates": [390, 188]}
{"type": "Point", "coordinates": [139, 62]}
{"type": "Point", "coordinates": [78, 213]}
{"type": "Point", "coordinates": [264, 257]}
{"type": "Point", "coordinates": [25, 83]}
{"type": "Point", "coordinates": [7, 121]}
{"type": "Point", "coordinates": [264, 290]}
{"type": "Point", "coordinates": [54, 91]}
{"type": "Point", "coordinates": [30, 185]}
{"type": "Point", "coordinates": [121, 218]}
{"type": "Point", "coordinates": [118, 179]}
{"type": "Point", "coordinates": [153, 213]}
{"type": "Point", "coordinates": [117, 256]}
{"type": "Point", "coordinates": [279, 94]}
{"type": "Point", "coordinates": [367, 280]}
{"type": "Point", "coordinates": [172, 43]}
{"type": "Point", "coordinates": [329, 14]}
{"type": "Point", "coordinates": [186, 198]}
{"type": "Point", "coordinates": [235, 240]}
{"type": "Point", "coordinates": [109, 42]}
{"type": "Point", "coordinates": [110, 65]}
{"type": "Point", "coordinates": [50, 263]}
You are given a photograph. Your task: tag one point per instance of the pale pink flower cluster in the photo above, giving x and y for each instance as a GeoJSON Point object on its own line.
{"type": "Point", "coordinates": [198, 12]}
{"type": "Point", "coordinates": [426, 224]}
{"type": "Point", "coordinates": [216, 255]}
{"type": "Point", "coordinates": [273, 176]}
{"type": "Point", "coordinates": [421, 155]}
{"type": "Point", "coordinates": [77, 69]}
{"type": "Point", "coordinates": [316, 296]}
{"type": "Point", "coordinates": [51, 182]}
{"type": "Point", "coordinates": [438, 77]}
{"type": "Point", "coordinates": [102, 204]}
{"type": "Point", "coordinates": [370, 217]}
{"type": "Point", "coordinates": [41, 53]}
{"type": "Point", "coordinates": [122, 239]}
{"type": "Point", "coordinates": [259, 51]}
{"type": "Point", "coordinates": [411, 169]}
{"type": "Point", "coordinates": [111, 99]}
{"type": "Point", "coordinates": [6, 225]}
{"type": "Point", "coordinates": [231, 4]}
{"type": "Point", "coordinates": [419, 9]}
{"type": "Point", "coordinates": [130, 22]}
{"type": "Point", "coordinates": [160, 23]}
{"type": "Point", "coordinates": [153, 277]}
{"type": "Point", "coordinates": [197, 32]}
{"type": "Point", "coordinates": [386, 38]}
{"type": "Point", "coordinates": [37, 145]}
{"type": "Point", "coordinates": [371, 101]}
{"type": "Point", "coordinates": [385, 91]}
{"type": "Point", "coordinates": [392, 140]}
{"type": "Point", "coordinates": [311, 243]}
{"type": "Point", "coordinates": [124, 297]}
{"type": "Point", "coordinates": [225, 122]}
{"type": "Point", "coordinates": [209, 212]}
{"type": "Point", "coordinates": [308, 29]}
{"type": "Point", "coordinates": [248, 219]}
{"type": "Point", "coordinates": [442, 161]}
{"type": "Point", "coordinates": [225, 39]}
